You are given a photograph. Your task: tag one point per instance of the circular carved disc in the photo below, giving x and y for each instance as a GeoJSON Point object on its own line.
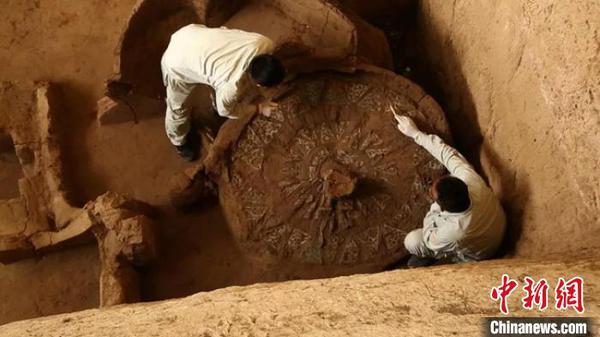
{"type": "Point", "coordinates": [328, 179]}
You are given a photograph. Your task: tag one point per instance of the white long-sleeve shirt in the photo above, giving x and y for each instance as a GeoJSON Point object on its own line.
{"type": "Point", "coordinates": [218, 57]}
{"type": "Point", "coordinates": [474, 234]}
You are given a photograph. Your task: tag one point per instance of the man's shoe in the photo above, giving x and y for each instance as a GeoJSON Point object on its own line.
{"type": "Point", "coordinates": [417, 261]}
{"type": "Point", "coordinates": [187, 151]}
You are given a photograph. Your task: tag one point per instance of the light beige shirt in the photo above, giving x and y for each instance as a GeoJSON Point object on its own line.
{"type": "Point", "coordinates": [218, 57]}
{"type": "Point", "coordinates": [474, 234]}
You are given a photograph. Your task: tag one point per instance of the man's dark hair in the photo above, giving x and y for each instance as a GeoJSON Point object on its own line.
{"type": "Point", "coordinates": [452, 194]}
{"type": "Point", "coordinates": [266, 70]}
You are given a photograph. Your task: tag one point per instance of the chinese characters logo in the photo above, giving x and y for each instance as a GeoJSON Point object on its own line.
{"type": "Point", "coordinates": [567, 294]}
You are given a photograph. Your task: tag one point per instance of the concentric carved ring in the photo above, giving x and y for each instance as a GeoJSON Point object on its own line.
{"type": "Point", "coordinates": [328, 179]}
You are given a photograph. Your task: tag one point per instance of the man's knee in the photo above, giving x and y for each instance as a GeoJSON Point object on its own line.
{"type": "Point", "coordinates": [413, 242]}
{"type": "Point", "coordinates": [177, 129]}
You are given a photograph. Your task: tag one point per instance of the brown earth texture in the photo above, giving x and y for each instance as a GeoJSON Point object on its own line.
{"type": "Point", "coordinates": [518, 82]}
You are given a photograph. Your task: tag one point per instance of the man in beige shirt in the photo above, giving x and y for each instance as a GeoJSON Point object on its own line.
{"type": "Point", "coordinates": [231, 61]}
{"type": "Point", "coordinates": [466, 221]}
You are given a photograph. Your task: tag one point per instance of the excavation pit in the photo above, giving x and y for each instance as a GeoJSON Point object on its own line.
{"type": "Point", "coordinates": [519, 98]}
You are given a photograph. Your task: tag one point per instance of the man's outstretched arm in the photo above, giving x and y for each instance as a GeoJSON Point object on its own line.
{"type": "Point", "coordinates": [454, 162]}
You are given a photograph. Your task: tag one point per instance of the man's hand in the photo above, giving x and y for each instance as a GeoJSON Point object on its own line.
{"type": "Point", "coordinates": [267, 108]}
{"type": "Point", "coordinates": [406, 125]}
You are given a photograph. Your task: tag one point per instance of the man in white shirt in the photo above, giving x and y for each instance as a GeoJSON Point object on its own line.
{"type": "Point", "coordinates": [232, 62]}
{"type": "Point", "coordinates": [466, 221]}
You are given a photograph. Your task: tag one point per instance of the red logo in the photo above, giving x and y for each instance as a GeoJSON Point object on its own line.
{"type": "Point", "coordinates": [503, 292]}
{"type": "Point", "coordinates": [568, 294]}
{"type": "Point", "coordinates": [536, 294]}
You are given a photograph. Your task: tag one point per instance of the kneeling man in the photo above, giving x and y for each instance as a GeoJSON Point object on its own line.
{"type": "Point", "coordinates": [466, 221]}
{"type": "Point", "coordinates": [231, 61]}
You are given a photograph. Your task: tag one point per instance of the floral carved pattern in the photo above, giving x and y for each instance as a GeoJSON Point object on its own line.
{"type": "Point", "coordinates": [280, 165]}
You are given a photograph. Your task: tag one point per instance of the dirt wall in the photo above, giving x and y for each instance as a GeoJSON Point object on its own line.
{"type": "Point", "coordinates": [519, 83]}
{"type": "Point", "coordinates": [438, 301]}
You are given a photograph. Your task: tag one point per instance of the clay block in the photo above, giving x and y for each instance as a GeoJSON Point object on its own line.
{"type": "Point", "coordinates": [32, 126]}
{"type": "Point", "coordinates": [138, 237]}
{"type": "Point", "coordinates": [114, 202]}
{"type": "Point", "coordinates": [119, 283]}
{"type": "Point", "coordinates": [126, 238]}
